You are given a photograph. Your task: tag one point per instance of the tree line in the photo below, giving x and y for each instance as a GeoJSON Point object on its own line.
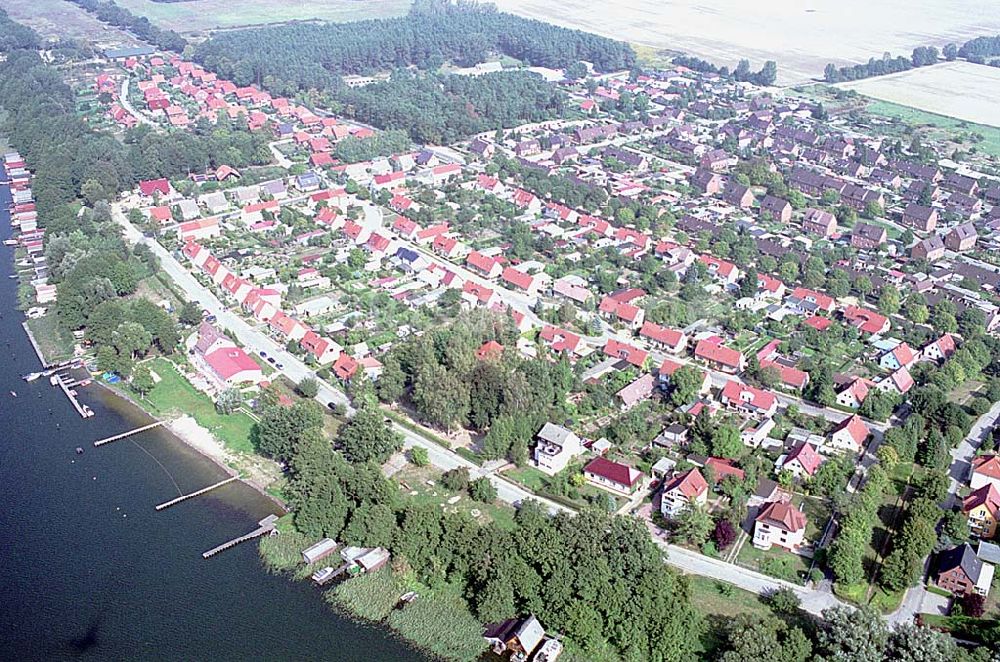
{"type": "Point", "coordinates": [766, 75]}
{"type": "Point", "coordinates": [598, 579]}
{"type": "Point", "coordinates": [109, 12]}
{"type": "Point", "coordinates": [433, 33]}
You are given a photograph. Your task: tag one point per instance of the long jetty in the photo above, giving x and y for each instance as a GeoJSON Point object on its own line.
{"type": "Point", "coordinates": [265, 527]}
{"type": "Point", "coordinates": [67, 386]}
{"type": "Point", "coordinates": [108, 440]}
{"type": "Point", "coordinates": [203, 490]}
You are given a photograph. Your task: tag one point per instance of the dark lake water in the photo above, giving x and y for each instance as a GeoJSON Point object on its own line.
{"type": "Point", "coordinates": [89, 570]}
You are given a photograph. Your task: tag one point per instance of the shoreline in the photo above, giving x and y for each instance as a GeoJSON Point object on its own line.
{"type": "Point", "coordinates": [187, 431]}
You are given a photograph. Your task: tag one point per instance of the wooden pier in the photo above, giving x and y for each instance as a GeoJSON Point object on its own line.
{"type": "Point", "coordinates": [108, 440]}
{"type": "Point", "coordinates": [265, 527]}
{"type": "Point", "coordinates": [66, 384]}
{"type": "Point", "coordinates": [203, 490]}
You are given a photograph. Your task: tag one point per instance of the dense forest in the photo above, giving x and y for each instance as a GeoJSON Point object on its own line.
{"type": "Point", "coordinates": [14, 36]}
{"type": "Point", "coordinates": [441, 109]}
{"type": "Point", "coordinates": [434, 32]}
{"type": "Point", "coordinates": [979, 49]}
{"type": "Point", "coordinates": [110, 13]}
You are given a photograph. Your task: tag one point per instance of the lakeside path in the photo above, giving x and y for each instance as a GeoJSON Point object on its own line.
{"type": "Point", "coordinates": [813, 600]}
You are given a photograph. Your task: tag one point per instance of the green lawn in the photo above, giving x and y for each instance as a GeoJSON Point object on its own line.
{"type": "Point", "coordinates": [174, 395]}
{"type": "Point", "coordinates": [775, 562]}
{"type": "Point", "coordinates": [949, 127]}
{"type": "Point", "coordinates": [55, 343]}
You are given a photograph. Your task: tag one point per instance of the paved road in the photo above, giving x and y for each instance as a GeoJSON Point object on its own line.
{"type": "Point", "coordinates": [963, 453]}
{"type": "Point", "coordinates": [253, 339]}
{"type": "Point", "coordinates": [280, 158]}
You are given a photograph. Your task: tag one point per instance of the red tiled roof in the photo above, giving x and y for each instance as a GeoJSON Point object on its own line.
{"type": "Point", "coordinates": [783, 515]}
{"type": "Point", "coordinates": [987, 465]}
{"type": "Point", "coordinates": [867, 321]}
{"type": "Point", "coordinates": [807, 456]}
{"type": "Point", "coordinates": [743, 394]}
{"type": "Point", "coordinates": [987, 495]}
{"type": "Point", "coordinates": [710, 351]}
{"type": "Point", "coordinates": [855, 427]}
{"type": "Point", "coordinates": [226, 362]}
{"type": "Point", "coordinates": [620, 350]}
{"type": "Point", "coordinates": [691, 484]}
{"type": "Point", "coordinates": [613, 471]}
{"type": "Point", "coordinates": [517, 278]}
{"type": "Point", "coordinates": [662, 334]}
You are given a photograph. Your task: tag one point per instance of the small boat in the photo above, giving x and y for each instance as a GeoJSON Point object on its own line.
{"type": "Point", "coordinates": [32, 376]}
{"type": "Point", "coordinates": [10, 242]}
{"type": "Point", "coordinates": [79, 450]}
{"type": "Point", "coordinates": [14, 393]}
{"type": "Point", "coordinates": [323, 575]}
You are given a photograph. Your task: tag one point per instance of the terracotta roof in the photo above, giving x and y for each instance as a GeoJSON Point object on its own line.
{"type": "Point", "coordinates": [613, 471]}
{"type": "Point", "coordinates": [742, 394]}
{"type": "Point", "coordinates": [855, 427]}
{"type": "Point", "coordinates": [987, 465]}
{"type": "Point", "coordinates": [782, 515]}
{"type": "Point", "coordinates": [620, 350]}
{"type": "Point", "coordinates": [710, 351]}
{"type": "Point", "coordinates": [691, 484]}
{"type": "Point", "coordinates": [662, 334]}
{"type": "Point", "coordinates": [807, 456]}
{"type": "Point", "coordinates": [987, 495]}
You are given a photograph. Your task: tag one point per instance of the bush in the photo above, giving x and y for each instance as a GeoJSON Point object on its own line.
{"type": "Point", "coordinates": [308, 387]}
{"type": "Point", "coordinates": [481, 489]}
{"type": "Point", "coordinates": [724, 534]}
{"type": "Point", "coordinates": [973, 605]}
{"type": "Point", "coordinates": [456, 479]}
{"type": "Point", "coordinates": [418, 456]}
{"type": "Point", "coordinates": [783, 601]}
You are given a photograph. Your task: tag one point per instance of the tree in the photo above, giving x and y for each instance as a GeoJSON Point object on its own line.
{"type": "Point", "coordinates": [693, 525]}
{"type": "Point", "coordinates": [724, 534]}
{"type": "Point", "coordinates": [455, 480]}
{"type": "Point", "coordinates": [419, 456]}
{"type": "Point", "coordinates": [308, 387]}
{"type": "Point", "coordinates": [973, 605]}
{"type": "Point", "coordinates": [190, 313]}
{"type": "Point", "coordinates": [142, 380]}
{"type": "Point", "coordinates": [392, 382]}
{"type": "Point", "coordinates": [783, 602]}
{"type": "Point", "coordinates": [228, 401]}
{"type": "Point", "coordinates": [915, 643]}
{"type": "Point", "coordinates": [859, 635]}
{"type": "Point", "coordinates": [685, 384]}
{"type": "Point", "coordinates": [888, 300]}
{"type": "Point", "coordinates": [726, 442]}
{"type": "Point", "coordinates": [481, 489]}
{"type": "Point", "coordinates": [955, 526]}
{"type": "Point", "coordinates": [368, 438]}
{"type": "Point", "coordinates": [950, 52]}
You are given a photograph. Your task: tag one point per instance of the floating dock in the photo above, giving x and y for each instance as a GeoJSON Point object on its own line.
{"type": "Point", "coordinates": [266, 527]}
{"type": "Point", "coordinates": [185, 497]}
{"type": "Point", "coordinates": [108, 440]}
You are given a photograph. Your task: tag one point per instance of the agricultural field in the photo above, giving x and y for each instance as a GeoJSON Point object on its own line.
{"type": "Point", "coordinates": [966, 91]}
{"type": "Point", "coordinates": [198, 15]}
{"type": "Point", "coordinates": [801, 37]}
{"type": "Point", "coordinates": [58, 19]}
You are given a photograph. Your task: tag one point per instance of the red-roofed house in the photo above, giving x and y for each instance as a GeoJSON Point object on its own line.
{"type": "Point", "coordinates": [323, 349]}
{"type": "Point", "coordinates": [200, 229]}
{"type": "Point", "coordinates": [231, 366]}
{"type": "Point", "coordinates": [802, 461]}
{"type": "Point", "coordinates": [559, 340]}
{"type": "Point", "coordinates": [866, 321]}
{"type": "Point", "coordinates": [613, 476]}
{"type": "Point", "coordinates": [632, 355]}
{"type": "Point", "coordinates": [490, 350]}
{"type": "Point", "coordinates": [817, 322]}
{"type": "Point", "coordinates": [900, 356]}
{"type": "Point", "coordinates": [939, 349]}
{"type": "Point", "coordinates": [519, 280]}
{"type": "Point", "coordinates": [900, 381]}
{"type": "Point", "coordinates": [849, 435]}
{"type": "Point", "coordinates": [344, 367]}
{"type": "Point", "coordinates": [629, 315]}
{"type": "Point", "coordinates": [475, 294]}
{"type": "Point", "coordinates": [486, 266]}
{"type": "Point", "coordinates": [161, 214]}
{"type": "Point", "coordinates": [982, 508]}
{"type": "Point", "coordinates": [985, 471]}
{"type": "Point", "coordinates": [725, 272]}
{"type": "Point", "coordinates": [664, 338]}
{"type": "Point", "coordinates": [789, 376]}
{"type": "Point", "coordinates": [808, 301]}
{"type": "Point", "coordinates": [149, 187]}
{"type": "Point", "coordinates": [682, 491]}
{"type": "Point", "coordinates": [853, 394]}
{"type": "Point", "coordinates": [722, 358]}
{"type": "Point", "coordinates": [749, 400]}
{"type": "Point", "coordinates": [779, 523]}
{"type": "Point", "coordinates": [722, 468]}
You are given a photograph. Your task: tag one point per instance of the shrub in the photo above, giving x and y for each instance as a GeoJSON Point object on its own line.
{"type": "Point", "coordinates": [973, 605]}
{"type": "Point", "coordinates": [456, 479]}
{"type": "Point", "coordinates": [418, 456]}
{"type": "Point", "coordinates": [481, 489]}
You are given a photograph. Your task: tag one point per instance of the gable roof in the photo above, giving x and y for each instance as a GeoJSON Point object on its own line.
{"type": "Point", "coordinates": [690, 484]}
{"type": "Point", "coordinates": [963, 558]}
{"type": "Point", "coordinates": [807, 456]}
{"type": "Point", "coordinates": [613, 471]}
{"type": "Point", "coordinates": [782, 515]}
{"type": "Point", "coordinates": [855, 428]}
{"type": "Point", "coordinates": [987, 465]}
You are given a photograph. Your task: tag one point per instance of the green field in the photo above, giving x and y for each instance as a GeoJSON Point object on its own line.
{"type": "Point", "coordinates": [55, 343]}
{"type": "Point", "coordinates": [199, 15]}
{"type": "Point", "coordinates": [942, 127]}
{"type": "Point", "coordinates": [174, 395]}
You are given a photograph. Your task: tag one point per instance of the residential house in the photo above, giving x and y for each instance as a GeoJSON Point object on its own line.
{"type": "Point", "coordinates": [555, 447]}
{"type": "Point", "coordinates": [779, 523]}
{"type": "Point", "coordinates": [920, 217]}
{"type": "Point", "coordinates": [900, 356]}
{"type": "Point", "coordinates": [775, 209]}
{"type": "Point", "coordinates": [638, 391]}
{"type": "Point", "coordinates": [486, 266]}
{"type": "Point", "coordinates": [613, 476]}
{"type": "Point", "coordinates": [985, 471]}
{"type": "Point", "coordinates": [899, 382]}
{"type": "Point", "coordinates": [930, 249]}
{"type": "Point", "coordinates": [802, 461]}
{"type": "Point", "coordinates": [819, 222]}
{"type": "Point", "coordinates": [632, 355]}
{"type": "Point", "coordinates": [620, 311]}
{"type": "Point", "coordinates": [940, 349]}
{"type": "Point", "coordinates": [866, 321]}
{"type": "Point", "coordinates": [738, 195]}
{"type": "Point", "coordinates": [806, 301]}
{"type": "Point", "coordinates": [517, 636]}
{"type": "Point", "coordinates": [849, 435]}
{"type": "Point", "coordinates": [706, 181]}
{"type": "Point", "coordinates": [961, 238]}
{"type": "Point", "coordinates": [749, 400]}
{"type": "Point", "coordinates": [868, 236]}
{"type": "Point", "coordinates": [982, 508]}
{"type": "Point", "coordinates": [719, 357]}
{"type": "Point", "coordinates": [962, 573]}
{"type": "Point", "coordinates": [683, 491]}
{"type": "Point", "coordinates": [661, 337]}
